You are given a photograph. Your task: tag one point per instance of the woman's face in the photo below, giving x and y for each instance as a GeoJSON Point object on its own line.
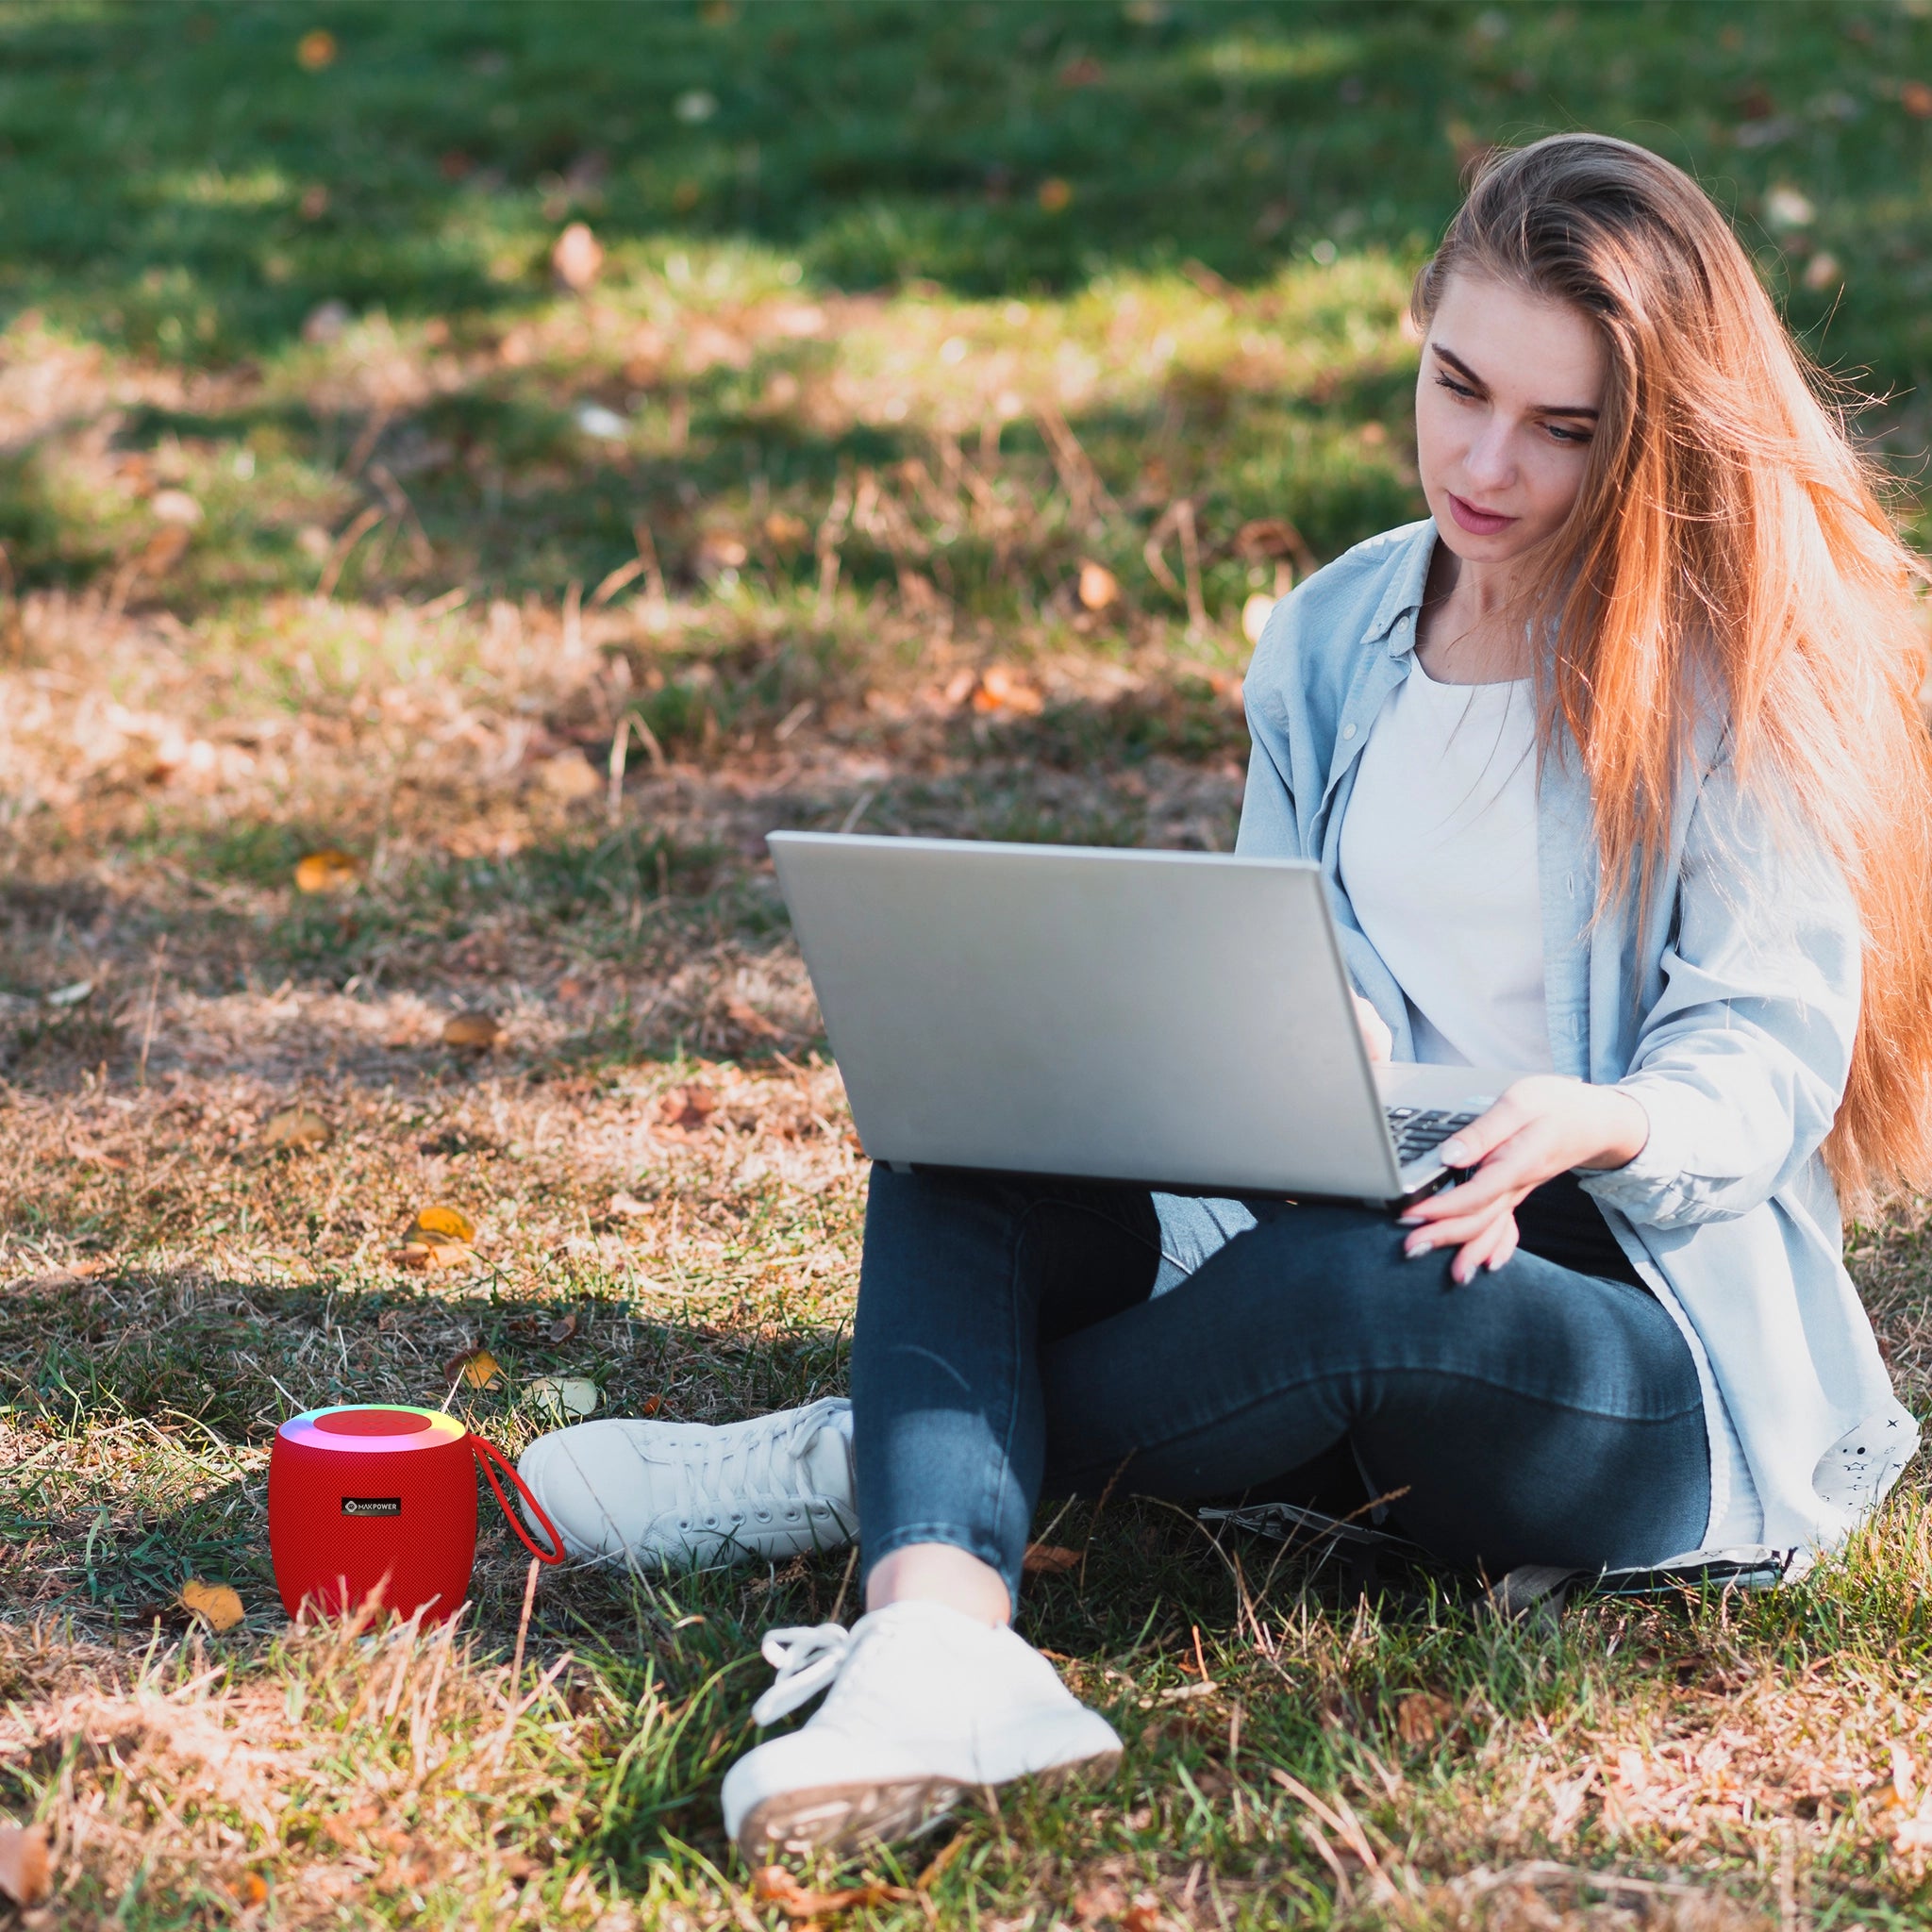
{"type": "Point", "coordinates": [1505, 405]}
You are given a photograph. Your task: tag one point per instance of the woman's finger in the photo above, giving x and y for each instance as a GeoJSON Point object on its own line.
{"type": "Point", "coordinates": [1470, 1146]}
{"type": "Point", "coordinates": [1459, 1233]}
{"type": "Point", "coordinates": [1475, 1253]}
{"type": "Point", "coordinates": [1514, 1168]}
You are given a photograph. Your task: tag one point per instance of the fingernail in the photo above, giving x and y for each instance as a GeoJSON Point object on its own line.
{"type": "Point", "coordinates": [1460, 1275]}
{"type": "Point", "coordinates": [1411, 1220]}
{"type": "Point", "coordinates": [1453, 1153]}
{"type": "Point", "coordinates": [1416, 1244]}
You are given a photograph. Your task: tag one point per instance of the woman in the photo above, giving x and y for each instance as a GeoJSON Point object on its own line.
{"type": "Point", "coordinates": [1615, 771]}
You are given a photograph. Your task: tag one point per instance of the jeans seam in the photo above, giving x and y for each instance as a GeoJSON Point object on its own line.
{"type": "Point", "coordinates": [998, 1492]}
{"type": "Point", "coordinates": [1234, 1415]}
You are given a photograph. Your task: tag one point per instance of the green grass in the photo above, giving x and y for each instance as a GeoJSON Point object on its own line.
{"type": "Point", "coordinates": [910, 314]}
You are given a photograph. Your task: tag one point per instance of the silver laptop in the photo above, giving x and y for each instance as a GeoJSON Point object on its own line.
{"type": "Point", "coordinates": [1178, 1019]}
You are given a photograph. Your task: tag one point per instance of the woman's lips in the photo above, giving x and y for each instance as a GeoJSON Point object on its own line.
{"type": "Point", "coordinates": [1478, 522]}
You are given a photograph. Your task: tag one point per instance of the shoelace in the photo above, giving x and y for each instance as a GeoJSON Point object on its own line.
{"type": "Point", "coordinates": [807, 1659]}
{"type": "Point", "coordinates": [770, 1465]}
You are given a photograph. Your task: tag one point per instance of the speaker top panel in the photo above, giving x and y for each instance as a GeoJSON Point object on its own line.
{"type": "Point", "coordinates": [363, 1428]}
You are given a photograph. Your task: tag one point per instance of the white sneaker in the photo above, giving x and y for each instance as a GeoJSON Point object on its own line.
{"type": "Point", "coordinates": [924, 1703]}
{"type": "Point", "coordinates": [687, 1497]}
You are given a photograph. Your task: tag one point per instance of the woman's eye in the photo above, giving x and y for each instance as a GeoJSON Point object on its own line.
{"type": "Point", "coordinates": [1562, 435]}
{"type": "Point", "coordinates": [1453, 386]}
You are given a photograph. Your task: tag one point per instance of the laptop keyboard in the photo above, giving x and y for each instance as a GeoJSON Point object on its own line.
{"type": "Point", "coordinates": [1416, 1129]}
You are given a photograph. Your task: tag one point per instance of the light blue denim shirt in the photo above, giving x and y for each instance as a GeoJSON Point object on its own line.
{"type": "Point", "coordinates": [1728, 1012]}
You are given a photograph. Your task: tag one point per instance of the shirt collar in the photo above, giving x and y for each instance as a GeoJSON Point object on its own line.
{"type": "Point", "coordinates": [1404, 593]}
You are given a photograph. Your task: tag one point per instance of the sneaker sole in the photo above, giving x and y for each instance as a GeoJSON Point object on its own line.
{"type": "Point", "coordinates": [846, 1819]}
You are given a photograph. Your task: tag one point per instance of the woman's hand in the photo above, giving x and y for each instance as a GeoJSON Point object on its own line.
{"type": "Point", "coordinates": [1375, 1034]}
{"type": "Point", "coordinates": [1542, 1126]}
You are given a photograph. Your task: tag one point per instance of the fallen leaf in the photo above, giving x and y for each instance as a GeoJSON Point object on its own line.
{"type": "Point", "coordinates": [570, 776]}
{"type": "Point", "coordinates": [718, 550]}
{"type": "Point", "coordinates": [577, 259]}
{"type": "Point", "coordinates": [162, 551]}
{"type": "Point", "coordinates": [316, 49]}
{"type": "Point", "coordinates": [562, 1328]}
{"type": "Point", "coordinates": [1821, 271]}
{"type": "Point", "coordinates": [688, 1109]}
{"type": "Point", "coordinates": [1049, 1560]}
{"type": "Point", "coordinates": [1255, 615]}
{"type": "Point", "coordinates": [220, 1605]}
{"type": "Point", "coordinates": [423, 1257]}
{"type": "Point", "coordinates": [25, 1874]}
{"type": "Point", "coordinates": [71, 996]}
{"type": "Point", "coordinates": [296, 1127]}
{"type": "Point", "coordinates": [1915, 97]}
{"type": "Point", "coordinates": [568, 1396]}
{"type": "Point", "coordinates": [474, 1032]}
{"type": "Point", "coordinates": [1099, 587]}
{"type": "Point", "coordinates": [477, 1368]}
{"type": "Point", "coordinates": [175, 506]}
{"type": "Point", "coordinates": [1421, 1715]}
{"type": "Point", "coordinates": [1100, 1901]}
{"type": "Point", "coordinates": [1002, 689]}
{"type": "Point", "coordinates": [749, 1019]}
{"type": "Point", "coordinates": [594, 420]}
{"type": "Point", "coordinates": [327, 871]}
{"type": "Point", "coordinates": [785, 531]}
{"type": "Point", "coordinates": [778, 1887]}
{"type": "Point", "coordinates": [628, 1205]}
{"type": "Point", "coordinates": [1054, 194]}
{"type": "Point", "coordinates": [441, 1223]}
{"type": "Point", "coordinates": [252, 1891]}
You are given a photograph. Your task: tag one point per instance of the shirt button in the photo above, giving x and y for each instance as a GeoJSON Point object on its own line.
{"type": "Point", "coordinates": [1348, 731]}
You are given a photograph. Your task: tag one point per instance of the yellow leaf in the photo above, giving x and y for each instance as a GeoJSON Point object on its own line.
{"type": "Point", "coordinates": [1099, 587]}
{"type": "Point", "coordinates": [1054, 194]}
{"type": "Point", "coordinates": [476, 1032]}
{"type": "Point", "coordinates": [25, 1875]}
{"type": "Point", "coordinates": [564, 1396]}
{"type": "Point", "coordinates": [327, 871]}
{"type": "Point", "coordinates": [296, 1127]}
{"type": "Point", "coordinates": [443, 1223]}
{"type": "Point", "coordinates": [481, 1369]}
{"type": "Point", "coordinates": [316, 49]}
{"type": "Point", "coordinates": [215, 1601]}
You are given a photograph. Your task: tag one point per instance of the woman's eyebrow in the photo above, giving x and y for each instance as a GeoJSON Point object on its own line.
{"type": "Point", "coordinates": [1469, 376]}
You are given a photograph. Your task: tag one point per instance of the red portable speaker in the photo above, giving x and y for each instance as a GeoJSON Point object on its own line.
{"type": "Point", "coordinates": [381, 1501]}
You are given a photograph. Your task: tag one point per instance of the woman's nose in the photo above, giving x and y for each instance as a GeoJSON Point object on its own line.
{"type": "Point", "coordinates": [1490, 461]}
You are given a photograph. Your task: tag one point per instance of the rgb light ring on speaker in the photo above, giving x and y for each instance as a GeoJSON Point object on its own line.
{"type": "Point", "coordinates": [430, 1429]}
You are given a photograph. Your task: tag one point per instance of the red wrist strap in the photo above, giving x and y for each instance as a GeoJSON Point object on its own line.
{"type": "Point", "coordinates": [486, 1453]}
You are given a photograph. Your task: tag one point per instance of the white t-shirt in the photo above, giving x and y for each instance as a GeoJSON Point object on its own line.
{"type": "Point", "coordinates": [1438, 861]}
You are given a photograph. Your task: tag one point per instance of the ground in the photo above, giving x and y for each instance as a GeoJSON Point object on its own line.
{"type": "Point", "coordinates": [900, 445]}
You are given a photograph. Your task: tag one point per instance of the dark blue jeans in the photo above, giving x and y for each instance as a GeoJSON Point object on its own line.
{"type": "Point", "coordinates": [1005, 1348]}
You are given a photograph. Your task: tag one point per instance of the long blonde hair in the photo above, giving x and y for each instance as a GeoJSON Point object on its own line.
{"type": "Point", "coordinates": [1728, 530]}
